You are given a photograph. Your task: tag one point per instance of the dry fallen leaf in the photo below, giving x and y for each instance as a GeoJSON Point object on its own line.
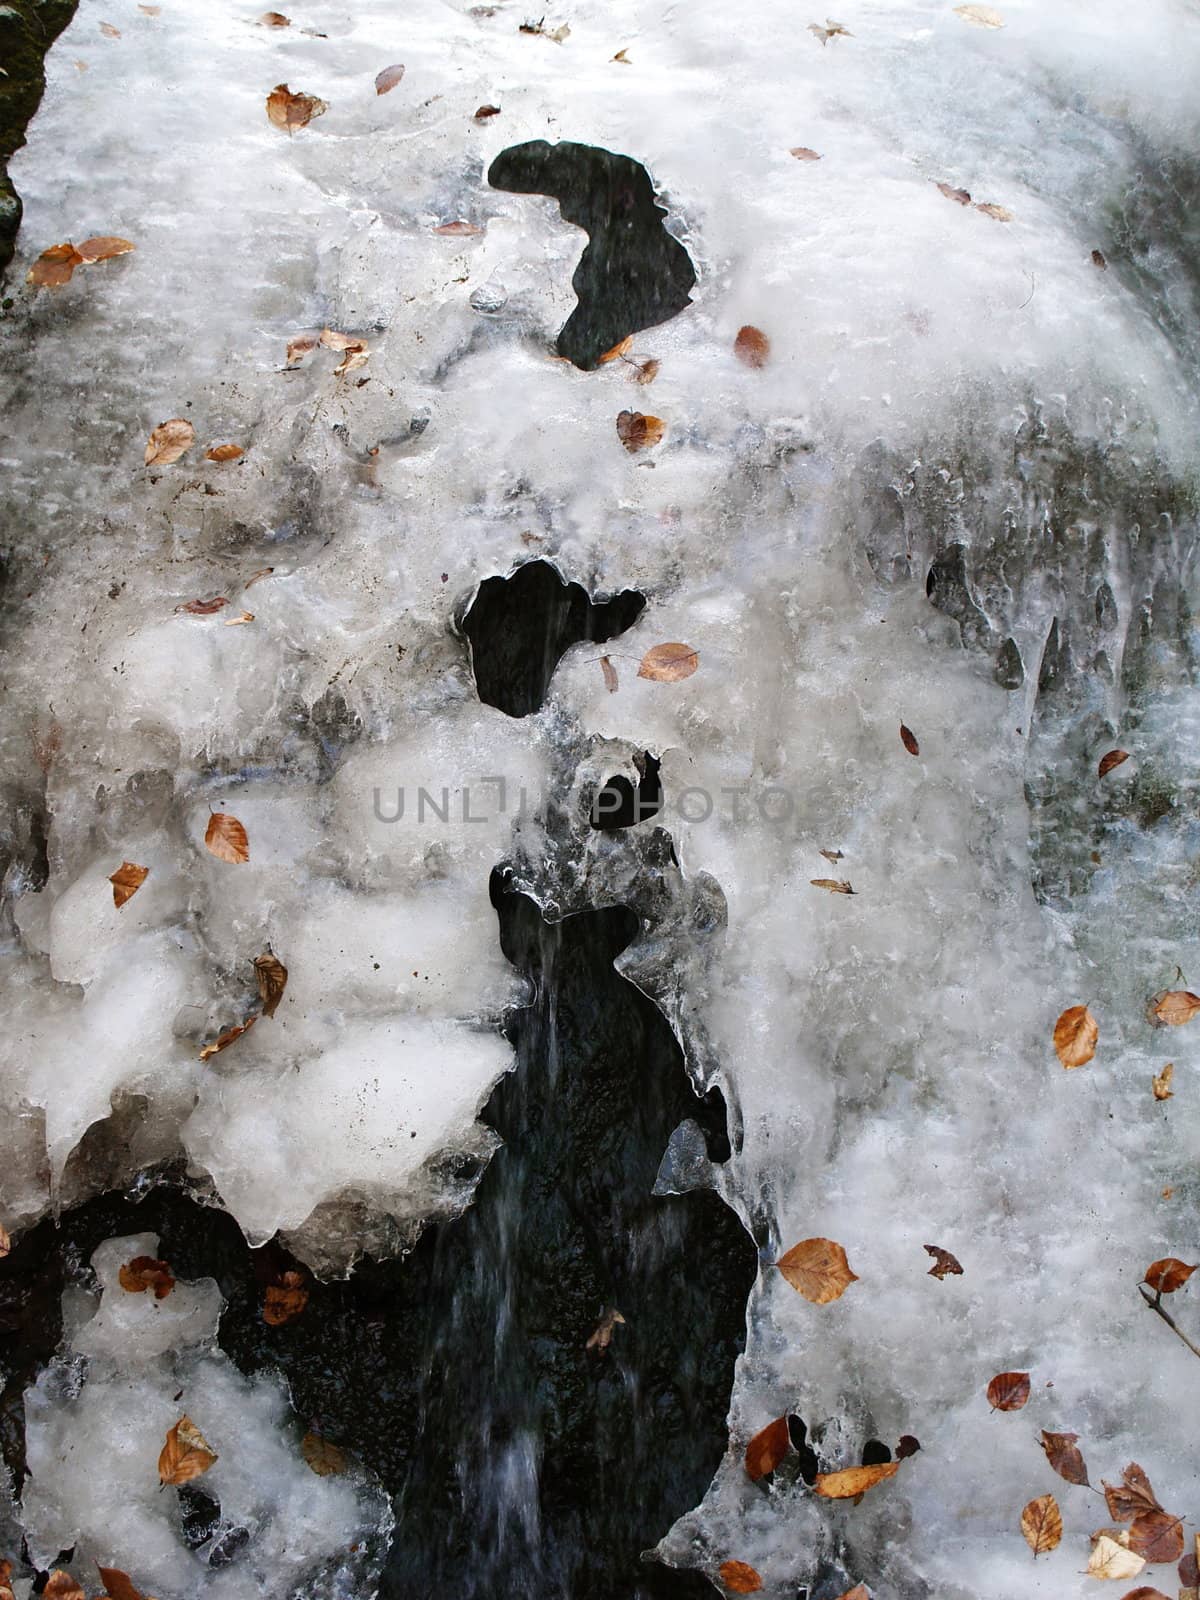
{"type": "Point", "coordinates": [601, 1335]}
{"type": "Point", "coordinates": [186, 1454]}
{"type": "Point", "coordinates": [150, 11]}
{"type": "Point", "coordinates": [909, 740]}
{"type": "Point", "coordinates": [834, 885]}
{"type": "Point", "coordinates": [109, 32]}
{"type": "Point", "coordinates": [485, 113]}
{"type": "Point", "coordinates": [981, 16]}
{"type": "Point", "coordinates": [1063, 1455]}
{"type": "Point", "coordinates": [1099, 260]}
{"type": "Point", "coordinates": [224, 452]}
{"type": "Point", "coordinates": [325, 1459]}
{"type": "Point", "coordinates": [1174, 1007]}
{"type": "Point", "coordinates": [1114, 758]}
{"type": "Point", "coordinates": [119, 1585]}
{"type": "Point", "coordinates": [1008, 1391]}
{"type": "Point", "coordinates": [1111, 1560]}
{"type": "Point", "coordinates": [1162, 1082]}
{"type": "Point", "coordinates": [1042, 1525]}
{"type": "Point", "coordinates": [610, 674]}
{"type": "Point", "coordinates": [272, 976]}
{"type": "Point", "coordinates": [617, 351]}
{"type": "Point", "coordinates": [274, 19]}
{"type": "Point", "coordinates": [951, 193]}
{"type": "Point", "coordinates": [103, 248]}
{"type": "Point", "coordinates": [1167, 1275]}
{"type": "Point", "coordinates": [990, 209]}
{"type": "Point", "coordinates": [853, 1481]}
{"type": "Point", "coordinates": [623, 57]}
{"type": "Point", "coordinates": [859, 1592]}
{"type": "Point", "coordinates": [143, 1273]}
{"type": "Point", "coordinates": [1156, 1535]}
{"type": "Point", "coordinates": [669, 663]}
{"type": "Point", "coordinates": [457, 230]}
{"type": "Point", "coordinates": [285, 1299]}
{"type": "Point", "coordinates": [767, 1449]}
{"type": "Point", "coordinates": [906, 1446]}
{"type": "Point", "coordinates": [834, 855]}
{"type": "Point", "coordinates": [1132, 1497]}
{"type": "Point", "coordinates": [5, 1241]}
{"type": "Point", "coordinates": [54, 266]}
{"type": "Point", "coordinates": [637, 432]}
{"type": "Point", "coordinates": [255, 577]}
{"type": "Point", "coordinates": [817, 1269]}
{"type": "Point", "coordinates": [224, 1040]}
{"type": "Point", "coordinates": [169, 441]}
{"type": "Point", "coordinates": [943, 1262]}
{"type": "Point", "coordinates": [1144, 1592]}
{"type": "Point", "coordinates": [388, 78]}
{"type": "Point", "coordinates": [752, 347]}
{"type": "Point", "coordinates": [644, 371]}
{"type": "Point", "coordinates": [226, 838]}
{"type": "Point", "coordinates": [803, 153]}
{"type": "Point", "coordinates": [739, 1578]}
{"type": "Point", "coordinates": [203, 608]}
{"type": "Point", "coordinates": [302, 345]}
{"type": "Point", "coordinates": [126, 881]}
{"type": "Point", "coordinates": [1075, 1036]}
{"type": "Point", "coordinates": [831, 30]}
{"type": "Point", "coordinates": [239, 621]}
{"type": "Point", "coordinates": [62, 1586]}
{"type": "Point", "coordinates": [292, 111]}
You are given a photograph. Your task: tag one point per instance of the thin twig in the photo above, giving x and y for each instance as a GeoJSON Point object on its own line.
{"type": "Point", "coordinates": [1155, 1304]}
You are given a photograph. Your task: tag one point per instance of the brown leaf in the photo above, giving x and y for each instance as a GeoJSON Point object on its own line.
{"type": "Point", "coordinates": [54, 267]}
{"type": "Point", "coordinates": [739, 1578]}
{"type": "Point", "coordinates": [638, 432]}
{"type": "Point", "coordinates": [292, 111]}
{"type": "Point", "coordinates": [834, 855]}
{"type": "Point", "coordinates": [1008, 1391]}
{"type": "Point", "coordinates": [484, 113]}
{"type": "Point", "coordinates": [274, 19]}
{"type": "Point", "coordinates": [102, 248]}
{"type": "Point", "coordinates": [1162, 1082]}
{"type": "Point", "coordinates": [669, 663]}
{"type": "Point", "coordinates": [1157, 1535]}
{"type": "Point", "coordinates": [601, 1335]}
{"type": "Point", "coordinates": [285, 1299]}
{"type": "Point", "coordinates": [1041, 1523]}
{"type": "Point", "coordinates": [117, 1584]}
{"type": "Point", "coordinates": [909, 740]}
{"type": "Point", "coordinates": [1167, 1275]}
{"type": "Point", "coordinates": [457, 230]}
{"type": "Point", "coordinates": [951, 193]}
{"type": "Point", "coordinates": [272, 976]}
{"type": "Point", "coordinates": [623, 58]}
{"type": "Point", "coordinates": [1063, 1455]}
{"type": "Point", "coordinates": [1114, 758]}
{"type": "Point", "coordinates": [1133, 1496]}
{"type": "Point", "coordinates": [803, 153]}
{"type": "Point", "coordinates": [853, 1481]}
{"type": "Point", "coordinates": [186, 1454]}
{"type": "Point", "coordinates": [224, 1040]}
{"type": "Point", "coordinates": [1174, 1007]}
{"type": "Point", "coordinates": [301, 345]}
{"type": "Point", "coordinates": [752, 347]}
{"type": "Point", "coordinates": [1111, 1560]}
{"type": "Point", "coordinates": [1000, 213]}
{"type": "Point", "coordinates": [1075, 1036]}
{"type": "Point", "coordinates": [645, 371]}
{"type": "Point", "coordinates": [109, 32]}
{"type": "Point", "coordinates": [610, 674]}
{"type": "Point", "coordinates": [126, 881]}
{"type": "Point", "coordinates": [388, 78]}
{"type": "Point", "coordinates": [226, 839]}
{"type": "Point", "coordinates": [943, 1262]}
{"type": "Point", "coordinates": [143, 1273]}
{"type": "Point", "coordinates": [834, 885]}
{"type": "Point", "coordinates": [617, 351]}
{"type": "Point", "coordinates": [1144, 1593]}
{"type": "Point", "coordinates": [767, 1449]}
{"type": "Point", "coordinates": [325, 1459]}
{"type": "Point", "coordinates": [169, 441]}
{"type": "Point", "coordinates": [5, 1242]}
{"type": "Point", "coordinates": [203, 608]}
{"type": "Point", "coordinates": [62, 1586]}
{"type": "Point", "coordinates": [224, 452]}
{"type": "Point", "coordinates": [1098, 260]}
{"type": "Point", "coordinates": [1189, 1567]}
{"type": "Point", "coordinates": [906, 1446]}
{"type": "Point", "coordinates": [817, 1269]}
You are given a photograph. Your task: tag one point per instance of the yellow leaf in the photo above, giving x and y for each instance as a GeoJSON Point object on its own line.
{"type": "Point", "coordinates": [817, 1269]}
{"type": "Point", "coordinates": [1075, 1036]}
{"type": "Point", "coordinates": [169, 441]}
{"type": "Point", "coordinates": [1042, 1524]}
{"type": "Point", "coordinates": [226, 839]}
{"type": "Point", "coordinates": [853, 1481]}
{"type": "Point", "coordinates": [126, 881]}
{"type": "Point", "coordinates": [185, 1455]}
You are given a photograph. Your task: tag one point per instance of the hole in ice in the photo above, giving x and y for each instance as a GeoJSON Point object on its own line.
{"type": "Point", "coordinates": [632, 274]}
{"type": "Point", "coordinates": [621, 804]}
{"type": "Point", "coordinates": [520, 626]}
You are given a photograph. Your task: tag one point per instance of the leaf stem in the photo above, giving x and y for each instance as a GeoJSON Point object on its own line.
{"type": "Point", "coordinates": [1155, 1304]}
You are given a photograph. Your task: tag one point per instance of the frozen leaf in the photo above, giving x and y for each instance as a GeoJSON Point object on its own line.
{"type": "Point", "coordinates": [601, 1335]}
{"type": "Point", "coordinates": [333, 339]}
{"type": "Point", "coordinates": [387, 80]}
{"type": "Point", "coordinates": [557, 34]}
{"type": "Point", "coordinates": [834, 885]}
{"type": "Point", "coordinates": [1174, 1007]}
{"type": "Point", "coordinates": [150, 11]}
{"type": "Point", "coordinates": [1157, 1535]}
{"type": "Point", "coordinates": [637, 432]}
{"type": "Point", "coordinates": [118, 1585]}
{"type": "Point", "coordinates": [457, 230]}
{"type": "Point", "coordinates": [767, 1449]}
{"type": "Point", "coordinates": [909, 740]}
{"type": "Point", "coordinates": [103, 248]}
{"type": "Point", "coordinates": [302, 345]}
{"type": "Point", "coordinates": [669, 663]}
{"type": "Point", "coordinates": [109, 32]}
{"type": "Point", "coordinates": [831, 30]}
{"type": "Point", "coordinates": [1008, 1391]}
{"type": "Point", "coordinates": [1162, 1082]}
{"type": "Point", "coordinates": [817, 1269]}
{"type": "Point", "coordinates": [5, 1242]}
{"type": "Point", "coordinates": [623, 57]}
{"type": "Point", "coordinates": [226, 838]}
{"type": "Point", "coordinates": [285, 1299]}
{"type": "Point", "coordinates": [951, 193]}
{"type": "Point", "coordinates": [990, 209]}
{"type": "Point", "coordinates": [224, 1040]}
{"type": "Point", "coordinates": [617, 350]}
{"type": "Point", "coordinates": [906, 1446]}
{"type": "Point", "coordinates": [943, 1262]}
{"type": "Point", "coordinates": [292, 111]}
{"type": "Point", "coordinates": [325, 1459]}
{"type": "Point", "coordinates": [859, 1592]}
{"type": "Point", "coordinates": [239, 621]}
{"type": "Point", "coordinates": [1063, 1455]}
{"type": "Point", "coordinates": [186, 1454]}
{"type": "Point", "coordinates": [54, 267]}
{"type": "Point", "coordinates": [1099, 260]}
{"type": "Point", "coordinates": [126, 881]}
{"type": "Point", "coordinates": [610, 674]}
{"type": "Point", "coordinates": [1114, 758]}
{"type": "Point", "coordinates": [803, 153]}
{"type": "Point", "coordinates": [1133, 1496]}
{"type": "Point", "coordinates": [224, 452]}
{"type": "Point", "coordinates": [834, 855]}
{"type": "Point", "coordinates": [143, 1273]}
{"type": "Point", "coordinates": [981, 16]}
{"type": "Point", "coordinates": [1167, 1275]}
{"type": "Point", "coordinates": [274, 19]}
{"type": "Point", "coordinates": [169, 441]}
{"type": "Point", "coordinates": [263, 572]}
{"type": "Point", "coordinates": [62, 1586]}
{"type": "Point", "coordinates": [1042, 1525]}
{"type": "Point", "coordinates": [738, 1578]}
{"type": "Point", "coordinates": [1075, 1036]}
{"type": "Point", "coordinates": [485, 113]}
{"type": "Point", "coordinates": [1111, 1560]}
{"type": "Point", "coordinates": [853, 1481]}
{"type": "Point", "coordinates": [271, 976]}
{"type": "Point", "coordinates": [752, 347]}
{"type": "Point", "coordinates": [203, 608]}
{"type": "Point", "coordinates": [353, 356]}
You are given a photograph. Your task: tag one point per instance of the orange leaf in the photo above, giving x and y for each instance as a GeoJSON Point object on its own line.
{"type": "Point", "coordinates": [617, 350]}
{"type": "Point", "coordinates": [62, 1586]}
{"type": "Point", "coordinates": [1114, 758]}
{"type": "Point", "coordinates": [117, 1584]}
{"type": "Point", "coordinates": [736, 1575]}
{"type": "Point", "coordinates": [767, 1449]}
{"type": "Point", "coordinates": [272, 977]}
{"type": "Point", "coordinates": [669, 663]}
{"type": "Point", "coordinates": [909, 740]}
{"type": "Point", "coordinates": [1174, 1007]}
{"type": "Point", "coordinates": [1075, 1036]}
{"type": "Point", "coordinates": [752, 347]}
{"type": "Point", "coordinates": [943, 1262]}
{"type": "Point", "coordinates": [292, 111]}
{"type": "Point", "coordinates": [1167, 1275]}
{"type": "Point", "coordinates": [1041, 1523]}
{"type": "Point", "coordinates": [285, 1299]}
{"type": "Point", "coordinates": [817, 1269]}
{"type": "Point", "coordinates": [54, 267]}
{"type": "Point", "coordinates": [224, 1040]}
{"type": "Point", "coordinates": [169, 441]}
{"type": "Point", "coordinates": [126, 881]}
{"type": "Point", "coordinates": [1063, 1455]}
{"type": "Point", "coordinates": [638, 432]}
{"type": "Point", "coordinates": [102, 248]}
{"type": "Point", "coordinates": [226, 838]}
{"type": "Point", "coordinates": [1008, 1391]}
{"type": "Point", "coordinates": [388, 78]}
{"type": "Point", "coordinates": [224, 452]}
{"type": "Point", "coordinates": [143, 1273]}
{"type": "Point", "coordinates": [859, 1592]}
{"type": "Point", "coordinates": [854, 1481]}
{"type": "Point", "coordinates": [185, 1455]}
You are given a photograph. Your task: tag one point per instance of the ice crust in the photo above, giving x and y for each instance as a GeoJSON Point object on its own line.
{"type": "Point", "coordinates": [932, 370]}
